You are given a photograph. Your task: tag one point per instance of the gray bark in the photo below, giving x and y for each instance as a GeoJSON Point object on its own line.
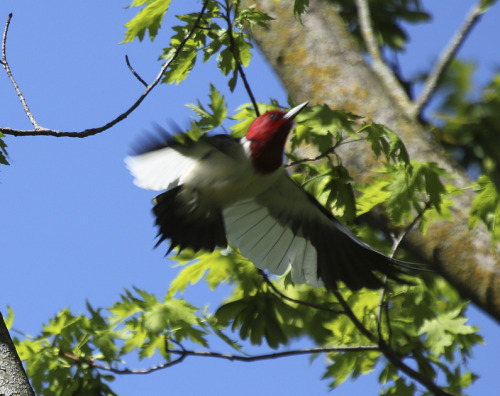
{"type": "Point", "coordinates": [13, 379]}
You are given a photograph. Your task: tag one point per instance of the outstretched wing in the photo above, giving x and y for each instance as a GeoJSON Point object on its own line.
{"type": "Point", "coordinates": [286, 225]}
{"type": "Point", "coordinates": [161, 162]}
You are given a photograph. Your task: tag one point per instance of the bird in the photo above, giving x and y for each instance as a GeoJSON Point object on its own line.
{"type": "Point", "coordinates": [221, 189]}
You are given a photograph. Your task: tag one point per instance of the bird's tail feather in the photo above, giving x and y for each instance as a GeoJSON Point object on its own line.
{"type": "Point", "coordinates": [345, 258]}
{"type": "Point", "coordinates": [185, 225]}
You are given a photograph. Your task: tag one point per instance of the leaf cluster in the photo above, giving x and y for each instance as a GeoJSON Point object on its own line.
{"type": "Point", "coordinates": [387, 17]}
{"type": "Point", "coordinates": [467, 125]}
{"type": "Point", "coordinates": [221, 34]}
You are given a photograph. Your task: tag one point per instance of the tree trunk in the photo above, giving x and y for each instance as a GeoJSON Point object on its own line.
{"type": "Point", "coordinates": [320, 61]}
{"type": "Point", "coordinates": [13, 379]}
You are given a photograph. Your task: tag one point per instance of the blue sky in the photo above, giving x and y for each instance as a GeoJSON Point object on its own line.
{"type": "Point", "coordinates": [75, 228]}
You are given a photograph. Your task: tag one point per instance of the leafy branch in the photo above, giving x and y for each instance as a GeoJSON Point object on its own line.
{"type": "Point", "coordinates": [234, 50]}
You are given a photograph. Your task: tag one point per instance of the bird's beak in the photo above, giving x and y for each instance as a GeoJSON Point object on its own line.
{"type": "Point", "coordinates": [296, 110]}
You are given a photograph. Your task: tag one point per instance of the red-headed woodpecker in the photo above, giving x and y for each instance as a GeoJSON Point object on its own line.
{"type": "Point", "coordinates": [221, 189]}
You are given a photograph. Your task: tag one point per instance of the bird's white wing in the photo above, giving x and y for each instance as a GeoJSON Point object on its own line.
{"type": "Point", "coordinates": [164, 163]}
{"type": "Point", "coordinates": [285, 225]}
{"type": "Point", "coordinates": [160, 169]}
{"type": "Point", "coordinates": [270, 243]}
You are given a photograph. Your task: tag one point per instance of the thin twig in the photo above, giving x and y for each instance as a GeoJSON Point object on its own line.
{"type": "Point", "coordinates": [382, 306]}
{"type": "Point", "coordinates": [276, 355]}
{"type": "Point", "coordinates": [234, 50]}
{"type": "Point", "coordinates": [6, 66]}
{"type": "Point", "coordinates": [331, 150]}
{"type": "Point", "coordinates": [446, 57]}
{"type": "Point", "coordinates": [121, 117]}
{"type": "Point", "coordinates": [305, 303]}
{"type": "Point", "coordinates": [380, 67]}
{"type": "Point", "coordinates": [183, 353]}
{"type": "Point", "coordinates": [104, 367]}
{"type": "Point", "coordinates": [388, 352]}
{"type": "Point", "coordinates": [134, 72]}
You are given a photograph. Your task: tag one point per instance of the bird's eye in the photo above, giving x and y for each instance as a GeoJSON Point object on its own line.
{"type": "Point", "coordinates": [274, 116]}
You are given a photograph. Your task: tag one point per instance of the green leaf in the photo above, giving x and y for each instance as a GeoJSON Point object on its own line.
{"type": "Point", "coordinates": [300, 7]}
{"type": "Point", "coordinates": [185, 59]}
{"type": "Point", "coordinates": [441, 331]}
{"type": "Point", "coordinates": [331, 185]}
{"type": "Point", "coordinates": [374, 193]}
{"type": "Point", "coordinates": [149, 18]}
{"type": "Point", "coordinates": [215, 267]}
{"type": "Point", "coordinates": [250, 16]}
{"type": "Point", "coordinates": [211, 119]}
{"type": "Point", "coordinates": [386, 142]}
{"type": "Point", "coordinates": [486, 5]}
{"type": "Point", "coordinates": [404, 188]}
{"type": "Point", "coordinates": [3, 151]}
{"type": "Point", "coordinates": [486, 207]}
{"type": "Point", "coordinates": [401, 388]}
{"type": "Point", "coordinates": [260, 316]}
{"type": "Point", "coordinates": [10, 318]}
{"type": "Point", "coordinates": [349, 364]}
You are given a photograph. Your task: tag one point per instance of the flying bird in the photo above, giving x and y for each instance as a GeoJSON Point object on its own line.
{"type": "Point", "coordinates": [221, 189]}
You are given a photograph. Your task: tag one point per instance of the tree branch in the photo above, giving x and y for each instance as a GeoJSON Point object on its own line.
{"type": "Point", "coordinates": [91, 362]}
{"type": "Point", "coordinates": [183, 353]}
{"type": "Point", "coordinates": [382, 306]}
{"type": "Point", "coordinates": [446, 57]}
{"type": "Point", "coordinates": [388, 352]}
{"type": "Point", "coordinates": [239, 67]}
{"type": "Point", "coordinates": [6, 66]}
{"type": "Point", "coordinates": [285, 297]}
{"type": "Point", "coordinates": [121, 117]}
{"type": "Point", "coordinates": [379, 66]}
{"type": "Point", "coordinates": [134, 72]}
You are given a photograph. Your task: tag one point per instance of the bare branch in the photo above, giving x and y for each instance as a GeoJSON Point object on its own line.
{"type": "Point", "coordinates": [6, 66]}
{"type": "Point", "coordinates": [104, 367]}
{"type": "Point", "coordinates": [121, 117]}
{"type": "Point", "coordinates": [276, 355]}
{"type": "Point", "coordinates": [379, 66]}
{"type": "Point", "coordinates": [134, 72]}
{"type": "Point", "coordinates": [446, 57]}
{"type": "Point", "coordinates": [183, 353]}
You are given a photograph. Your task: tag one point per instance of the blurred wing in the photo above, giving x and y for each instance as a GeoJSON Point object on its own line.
{"type": "Point", "coordinates": [161, 161]}
{"type": "Point", "coordinates": [286, 225]}
{"type": "Point", "coordinates": [160, 169]}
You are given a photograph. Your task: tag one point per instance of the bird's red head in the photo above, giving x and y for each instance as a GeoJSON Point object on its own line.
{"type": "Point", "coordinates": [267, 136]}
